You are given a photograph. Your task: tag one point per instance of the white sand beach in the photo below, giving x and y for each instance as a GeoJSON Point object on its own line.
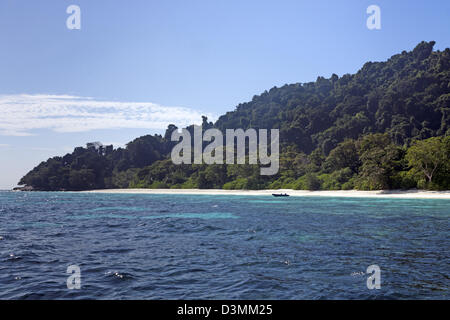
{"type": "Point", "coordinates": [401, 194]}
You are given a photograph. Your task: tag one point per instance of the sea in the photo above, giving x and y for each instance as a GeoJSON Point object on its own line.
{"type": "Point", "coordinates": [63, 245]}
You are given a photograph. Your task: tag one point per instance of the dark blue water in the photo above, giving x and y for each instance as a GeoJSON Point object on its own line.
{"type": "Point", "coordinates": [221, 247]}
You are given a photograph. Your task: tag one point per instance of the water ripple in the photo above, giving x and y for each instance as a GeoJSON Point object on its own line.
{"type": "Point", "coordinates": [221, 247]}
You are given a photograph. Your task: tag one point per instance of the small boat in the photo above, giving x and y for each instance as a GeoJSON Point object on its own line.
{"type": "Point", "coordinates": [280, 194]}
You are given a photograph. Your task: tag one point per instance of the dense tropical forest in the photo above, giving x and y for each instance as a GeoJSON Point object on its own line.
{"type": "Point", "coordinates": [385, 127]}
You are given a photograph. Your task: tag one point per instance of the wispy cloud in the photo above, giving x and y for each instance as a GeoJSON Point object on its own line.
{"type": "Point", "coordinates": [2, 145]}
{"type": "Point", "coordinates": [20, 114]}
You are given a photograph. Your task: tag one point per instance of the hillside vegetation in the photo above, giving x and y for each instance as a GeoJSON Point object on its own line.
{"type": "Point", "coordinates": [385, 127]}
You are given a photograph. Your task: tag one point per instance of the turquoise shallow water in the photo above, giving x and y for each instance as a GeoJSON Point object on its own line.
{"type": "Point", "coordinates": [221, 247]}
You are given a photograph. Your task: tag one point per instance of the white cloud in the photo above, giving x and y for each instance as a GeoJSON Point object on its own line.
{"type": "Point", "coordinates": [42, 149]}
{"type": "Point", "coordinates": [20, 114]}
{"type": "Point", "coordinates": [2, 145]}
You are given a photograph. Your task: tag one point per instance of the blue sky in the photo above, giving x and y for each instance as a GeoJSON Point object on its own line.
{"type": "Point", "coordinates": [136, 66]}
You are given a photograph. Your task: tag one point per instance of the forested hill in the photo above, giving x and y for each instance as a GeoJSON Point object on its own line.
{"type": "Point", "coordinates": [387, 126]}
{"type": "Point", "coordinates": [406, 96]}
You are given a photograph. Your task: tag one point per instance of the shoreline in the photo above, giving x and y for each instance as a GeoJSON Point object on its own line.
{"type": "Point", "coordinates": [395, 194]}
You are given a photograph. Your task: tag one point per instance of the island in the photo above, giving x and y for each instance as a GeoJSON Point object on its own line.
{"type": "Point", "coordinates": [385, 127]}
